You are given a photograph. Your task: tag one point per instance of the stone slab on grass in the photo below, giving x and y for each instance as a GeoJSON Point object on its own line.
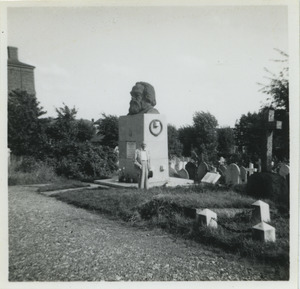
{"type": "Point", "coordinates": [211, 178]}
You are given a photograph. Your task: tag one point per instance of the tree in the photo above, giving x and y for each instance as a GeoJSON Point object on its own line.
{"type": "Point", "coordinates": [187, 137]}
{"type": "Point", "coordinates": [24, 124]}
{"type": "Point", "coordinates": [66, 126]}
{"type": "Point", "coordinates": [85, 130]}
{"type": "Point", "coordinates": [205, 125]}
{"type": "Point", "coordinates": [109, 128]}
{"type": "Point", "coordinates": [71, 150]}
{"type": "Point", "coordinates": [174, 145]}
{"type": "Point", "coordinates": [226, 141]}
{"type": "Point", "coordinates": [278, 87]}
{"type": "Point", "coordinates": [278, 96]}
{"type": "Point", "coordinates": [249, 135]}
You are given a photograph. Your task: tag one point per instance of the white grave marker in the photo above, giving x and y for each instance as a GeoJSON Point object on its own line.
{"type": "Point", "coordinates": [251, 169]}
{"type": "Point", "coordinates": [206, 218]}
{"type": "Point", "coordinates": [211, 178]}
{"type": "Point", "coordinates": [263, 232]}
{"type": "Point", "coordinates": [261, 212]}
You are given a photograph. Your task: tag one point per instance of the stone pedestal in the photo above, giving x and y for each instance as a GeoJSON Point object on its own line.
{"type": "Point", "coordinates": [152, 129]}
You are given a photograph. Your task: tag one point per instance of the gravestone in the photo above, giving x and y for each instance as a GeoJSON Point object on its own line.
{"type": "Point", "coordinates": [202, 170]}
{"type": "Point", "coordinates": [213, 169]}
{"type": "Point", "coordinates": [206, 218]}
{"type": "Point", "coordinates": [191, 169]}
{"type": "Point", "coordinates": [261, 212]}
{"type": "Point", "coordinates": [144, 126]}
{"type": "Point", "coordinates": [179, 165]}
{"type": "Point", "coordinates": [243, 175]}
{"type": "Point", "coordinates": [222, 161]}
{"type": "Point", "coordinates": [222, 169]}
{"type": "Point", "coordinates": [263, 232]}
{"type": "Point", "coordinates": [251, 169]}
{"type": "Point", "coordinates": [172, 163]}
{"type": "Point", "coordinates": [284, 170]}
{"type": "Point", "coordinates": [211, 178]}
{"type": "Point", "coordinates": [183, 174]}
{"type": "Point", "coordinates": [172, 170]}
{"type": "Point", "coordinates": [175, 160]}
{"type": "Point", "coordinates": [233, 175]}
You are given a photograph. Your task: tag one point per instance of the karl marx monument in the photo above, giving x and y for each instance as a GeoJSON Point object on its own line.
{"type": "Point", "coordinates": [144, 124]}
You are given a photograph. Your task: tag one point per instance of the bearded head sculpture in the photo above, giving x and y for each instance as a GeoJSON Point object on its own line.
{"type": "Point", "coordinates": [142, 99]}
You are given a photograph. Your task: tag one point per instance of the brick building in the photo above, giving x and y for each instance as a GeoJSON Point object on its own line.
{"type": "Point", "coordinates": [19, 75]}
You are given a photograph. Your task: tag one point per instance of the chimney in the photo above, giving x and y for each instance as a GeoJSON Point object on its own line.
{"type": "Point", "coordinates": [12, 53]}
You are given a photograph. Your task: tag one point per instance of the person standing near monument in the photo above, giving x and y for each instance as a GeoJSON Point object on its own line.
{"type": "Point", "coordinates": [142, 163]}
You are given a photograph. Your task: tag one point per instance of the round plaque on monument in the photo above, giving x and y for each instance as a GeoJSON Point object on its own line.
{"type": "Point", "coordinates": [155, 127]}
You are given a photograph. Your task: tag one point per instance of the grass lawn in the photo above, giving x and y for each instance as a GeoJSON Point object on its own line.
{"type": "Point", "coordinates": [173, 209]}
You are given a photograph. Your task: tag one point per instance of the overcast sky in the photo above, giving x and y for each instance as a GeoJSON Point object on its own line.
{"type": "Point", "coordinates": [197, 58]}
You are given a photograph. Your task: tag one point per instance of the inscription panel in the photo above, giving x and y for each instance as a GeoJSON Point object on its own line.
{"type": "Point", "coordinates": [130, 149]}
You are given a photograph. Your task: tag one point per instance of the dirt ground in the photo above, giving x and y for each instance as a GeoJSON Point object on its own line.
{"type": "Point", "coordinates": [53, 241]}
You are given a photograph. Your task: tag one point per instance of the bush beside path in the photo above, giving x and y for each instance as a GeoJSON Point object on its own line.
{"type": "Point", "coordinates": [52, 241]}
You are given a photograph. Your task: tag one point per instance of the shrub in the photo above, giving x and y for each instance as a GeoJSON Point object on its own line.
{"type": "Point", "coordinates": [269, 185]}
{"type": "Point", "coordinates": [26, 170]}
{"type": "Point", "coordinates": [88, 162]}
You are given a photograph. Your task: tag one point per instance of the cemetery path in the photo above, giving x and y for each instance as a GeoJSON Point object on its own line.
{"type": "Point", "coordinates": [52, 241]}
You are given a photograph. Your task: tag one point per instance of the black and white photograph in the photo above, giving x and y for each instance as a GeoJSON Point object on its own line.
{"type": "Point", "coordinates": [149, 142]}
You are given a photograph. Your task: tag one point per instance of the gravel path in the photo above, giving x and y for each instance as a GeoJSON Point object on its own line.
{"type": "Point", "coordinates": [53, 241]}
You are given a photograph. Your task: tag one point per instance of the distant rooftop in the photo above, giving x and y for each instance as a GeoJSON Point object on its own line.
{"type": "Point", "coordinates": [13, 59]}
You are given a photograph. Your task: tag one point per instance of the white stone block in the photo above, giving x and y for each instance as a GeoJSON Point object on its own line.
{"type": "Point", "coordinates": [206, 218]}
{"type": "Point", "coordinates": [261, 212]}
{"type": "Point", "coordinates": [263, 232]}
{"type": "Point", "coordinates": [211, 178]}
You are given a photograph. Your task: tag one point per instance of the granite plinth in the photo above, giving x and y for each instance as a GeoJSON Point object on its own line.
{"type": "Point", "coordinates": [148, 128]}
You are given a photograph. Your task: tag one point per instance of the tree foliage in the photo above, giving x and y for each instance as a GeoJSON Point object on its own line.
{"type": "Point", "coordinates": [226, 141]}
{"type": "Point", "coordinates": [250, 135]}
{"type": "Point", "coordinates": [65, 126]}
{"type": "Point", "coordinates": [63, 142]}
{"type": "Point", "coordinates": [109, 129]}
{"type": "Point", "coordinates": [174, 145]}
{"type": "Point", "coordinates": [87, 161]}
{"type": "Point", "coordinates": [187, 137]}
{"type": "Point", "coordinates": [278, 87]}
{"type": "Point", "coordinates": [24, 124]}
{"type": "Point", "coordinates": [250, 130]}
{"type": "Point", "coordinates": [201, 137]}
{"type": "Point", "coordinates": [205, 125]}
{"type": "Point", "coordinates": [277, 91]}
